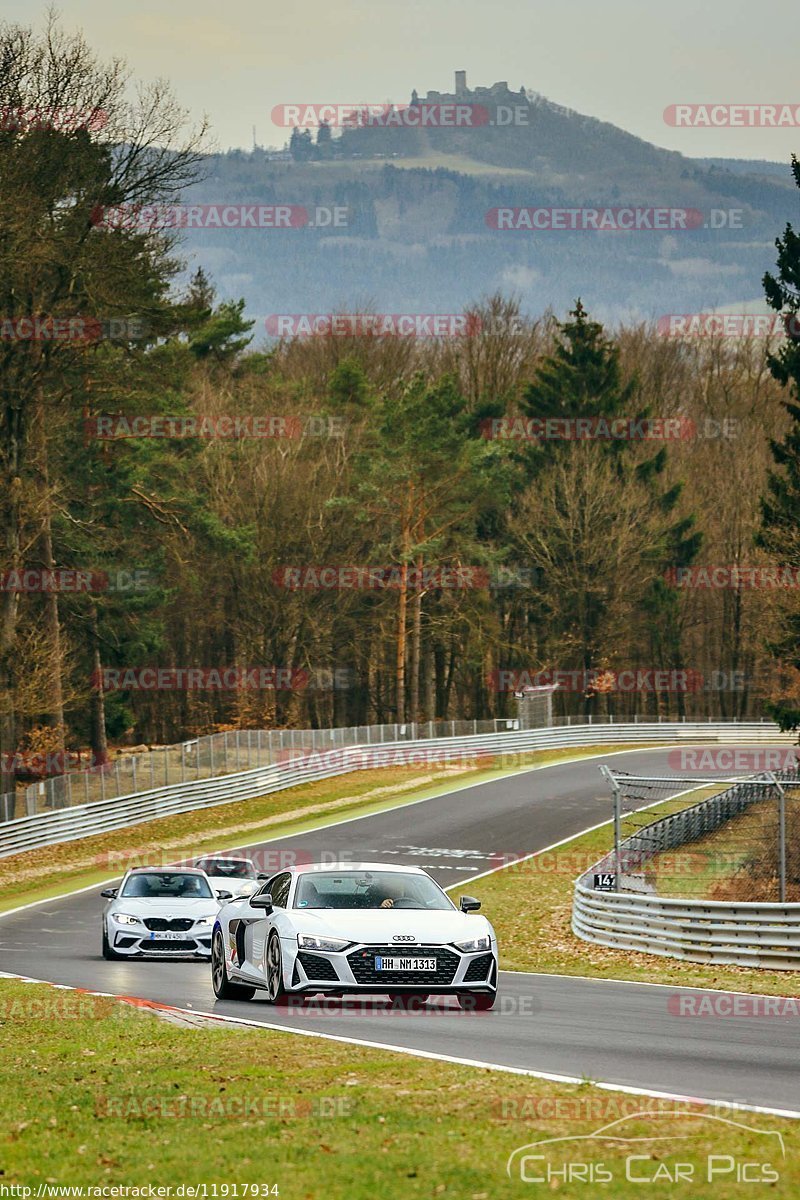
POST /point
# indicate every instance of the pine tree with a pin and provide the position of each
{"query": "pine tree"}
(781, 505)
(583, 378)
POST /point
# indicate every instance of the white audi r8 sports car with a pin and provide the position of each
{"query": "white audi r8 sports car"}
(158, 911)
(354, 927)
(235, 875)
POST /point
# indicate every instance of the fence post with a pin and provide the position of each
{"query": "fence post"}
(615, 790)
(183, 762)
(781, 835)
(133, 772)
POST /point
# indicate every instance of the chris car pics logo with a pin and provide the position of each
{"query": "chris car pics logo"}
(653, 1147)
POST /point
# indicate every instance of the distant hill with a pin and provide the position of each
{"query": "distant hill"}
(417, 237)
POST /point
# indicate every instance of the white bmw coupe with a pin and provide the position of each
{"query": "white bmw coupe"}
(159, 911)
(354, 927)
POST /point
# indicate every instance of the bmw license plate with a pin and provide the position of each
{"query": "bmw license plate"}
(404, 964)
(168, 935)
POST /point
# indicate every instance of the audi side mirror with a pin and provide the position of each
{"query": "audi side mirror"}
(263, 901)
(469, 904)
(109, 893)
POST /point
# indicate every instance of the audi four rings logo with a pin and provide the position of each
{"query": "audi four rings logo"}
(403, 937)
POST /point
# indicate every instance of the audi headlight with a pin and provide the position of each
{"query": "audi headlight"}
(126, 919)
(306, 942)
(476, 944)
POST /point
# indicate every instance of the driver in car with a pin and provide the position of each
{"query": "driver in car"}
(394, 891)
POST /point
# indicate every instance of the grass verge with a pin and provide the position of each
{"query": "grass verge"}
(67, 866)
(124, 1099)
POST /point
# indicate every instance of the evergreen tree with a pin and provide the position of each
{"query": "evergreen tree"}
(324, 141)
(780, 534)
(583, 378)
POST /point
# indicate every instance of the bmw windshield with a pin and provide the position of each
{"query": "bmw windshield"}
(369, 889)
(227, 867)
(167, 887)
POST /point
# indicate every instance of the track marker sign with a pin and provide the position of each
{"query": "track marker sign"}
(605, 881)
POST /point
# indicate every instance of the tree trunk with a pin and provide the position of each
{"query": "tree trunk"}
(97, 713)
(429, 681)
(55, 716)
(416, 637)
(400, 662)
(9, 605)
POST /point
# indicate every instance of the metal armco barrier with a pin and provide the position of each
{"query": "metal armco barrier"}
(703, 931)
(737, 933)
(83, 820)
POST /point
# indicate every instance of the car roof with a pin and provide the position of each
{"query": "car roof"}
(354, 866)
(234, 858)
(166, 871)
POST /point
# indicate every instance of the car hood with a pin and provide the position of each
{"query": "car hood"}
(383, 924)
(137, 907)
(238, 887)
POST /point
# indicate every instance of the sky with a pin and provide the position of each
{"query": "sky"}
(623, 61)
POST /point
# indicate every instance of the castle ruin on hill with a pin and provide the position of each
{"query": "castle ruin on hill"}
(498, 93)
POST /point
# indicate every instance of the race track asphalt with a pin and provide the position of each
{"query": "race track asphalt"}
(624, 1034)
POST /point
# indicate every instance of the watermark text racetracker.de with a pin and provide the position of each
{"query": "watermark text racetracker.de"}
(352, 577)
(73, 581)
(605, 429)
(733, 115)
(733, 577)
(223, 679)
(66, 120)
(734, 760)
(649, 680)
(75, 330)
(618, 219)
(425, 114)
(224, 427)
(728, 324)
(727, 1005)
(375, 325)
(258, 1106)
(159, 218)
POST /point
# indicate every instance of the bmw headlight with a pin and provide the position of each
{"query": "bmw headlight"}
(306, 942)
(201, 921)
(476, 944)
(126, 919)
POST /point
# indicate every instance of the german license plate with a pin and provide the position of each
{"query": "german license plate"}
(404, 964)
(168, 935)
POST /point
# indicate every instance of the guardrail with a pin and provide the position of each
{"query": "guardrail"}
(82, 820)
(734, 933)
(227, 753)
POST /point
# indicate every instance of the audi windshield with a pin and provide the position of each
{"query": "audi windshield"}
(369, 889)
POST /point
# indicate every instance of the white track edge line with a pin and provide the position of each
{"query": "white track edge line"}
(551, 1076)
